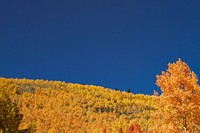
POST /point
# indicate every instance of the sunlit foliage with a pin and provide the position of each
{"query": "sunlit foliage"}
(59, 107)
(65, 107)
(180, 98)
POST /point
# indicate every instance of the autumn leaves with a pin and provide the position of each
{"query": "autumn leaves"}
(73, 108)
(180, 98)
(59, 107)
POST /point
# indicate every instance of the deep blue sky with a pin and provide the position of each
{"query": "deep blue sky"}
(112, 43)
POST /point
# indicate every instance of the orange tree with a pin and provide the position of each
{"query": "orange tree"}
(180, 98)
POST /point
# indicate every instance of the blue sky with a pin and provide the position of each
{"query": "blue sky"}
(115, 44)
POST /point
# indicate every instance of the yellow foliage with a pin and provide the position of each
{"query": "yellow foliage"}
(53, 106)
(180, 98)
(10, 117)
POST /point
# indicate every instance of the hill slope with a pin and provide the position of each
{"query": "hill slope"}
(54, 106)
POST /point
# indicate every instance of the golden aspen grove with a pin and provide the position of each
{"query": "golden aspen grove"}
(41, 106)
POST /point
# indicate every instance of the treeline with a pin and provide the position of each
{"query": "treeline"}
(50, 106)
(57, 107)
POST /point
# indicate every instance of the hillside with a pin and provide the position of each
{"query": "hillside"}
(41, 106)
(54, 106)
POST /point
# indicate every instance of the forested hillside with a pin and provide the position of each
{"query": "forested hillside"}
(66, 107)
(57, 107)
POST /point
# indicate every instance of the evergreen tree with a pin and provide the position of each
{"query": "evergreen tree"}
(129, 90)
